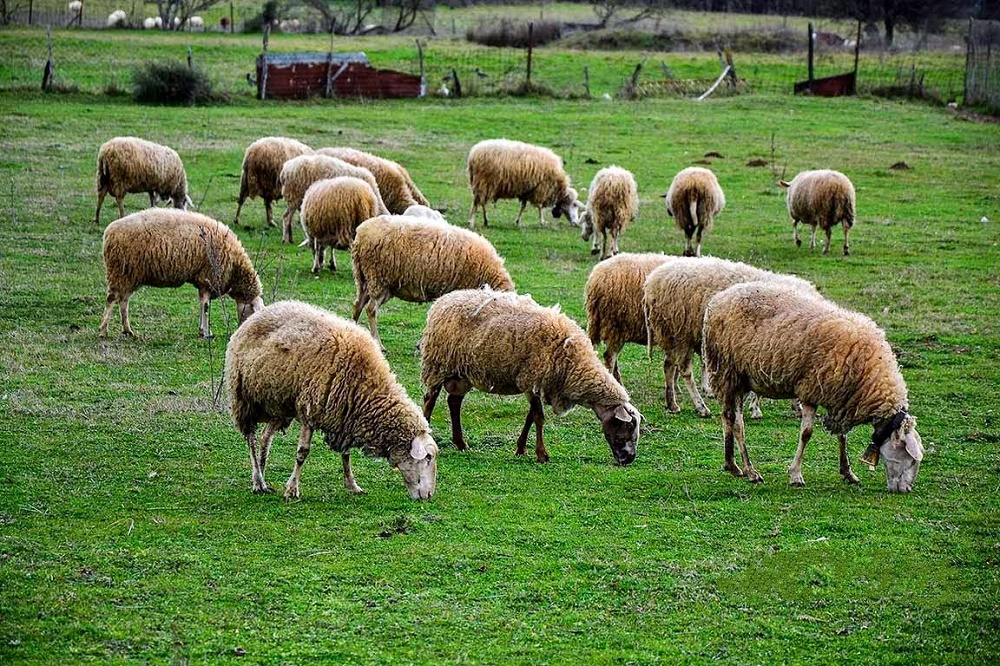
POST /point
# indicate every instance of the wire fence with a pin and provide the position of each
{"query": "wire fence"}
(982, 70)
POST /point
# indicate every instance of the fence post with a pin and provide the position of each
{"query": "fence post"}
(31, 7)
(263, 69)
(531, 43)
(190, 59)
(232, 18)
(810, 56)
(423, 76)
(586, 80)
(328, 88)
(49, 67)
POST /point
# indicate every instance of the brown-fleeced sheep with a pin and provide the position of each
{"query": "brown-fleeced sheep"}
(693, 200)
(613, 298)
(675, 296)
(394, 182)
(503, 169)
(295, 361)
(612, 205)
(262, 163)
(164, 247)
(782, 342)
(418, 259)
(507, 344)
(127, 165)
(332, 209)
(824, 199)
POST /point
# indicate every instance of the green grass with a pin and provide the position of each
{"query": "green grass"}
(128, 531)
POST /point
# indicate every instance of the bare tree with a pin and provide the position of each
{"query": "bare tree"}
(343, 17)
(399, 15)
(181, 10)
(612, 12)
(8, 8)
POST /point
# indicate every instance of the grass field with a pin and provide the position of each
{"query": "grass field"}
(128, 531)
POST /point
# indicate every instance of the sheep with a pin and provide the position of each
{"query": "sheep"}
(821, 198)
(127, 165)
(168, 248)
(196, 23)
(779, 341)
(332, 209)
(262, 163)
(694, 198)
(417, 260)
(300, 172)
(612, 204)
(291, 361)
(394, 183)
(675, 296)
(149, 23)
(506, 344)
(418, 210)
(613, 297)
(502, 169)
(117, 19)
(75, 7)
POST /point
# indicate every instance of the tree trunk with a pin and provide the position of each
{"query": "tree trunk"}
(890, 29)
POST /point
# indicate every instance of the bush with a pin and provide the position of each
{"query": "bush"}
(514, 34)
(170, 83)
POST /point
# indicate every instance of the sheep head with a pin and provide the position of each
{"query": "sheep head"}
(418, 465)
(902, 451)
(568, 205)
(620, 424)
(587, 225)
(246, 308)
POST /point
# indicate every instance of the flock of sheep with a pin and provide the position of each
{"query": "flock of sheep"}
(758, 333)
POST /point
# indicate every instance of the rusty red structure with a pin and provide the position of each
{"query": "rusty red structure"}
(304, 75)
(830, 86)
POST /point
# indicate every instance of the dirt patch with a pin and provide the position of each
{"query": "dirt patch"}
(714, 154)
(901, 166)
(757, 162)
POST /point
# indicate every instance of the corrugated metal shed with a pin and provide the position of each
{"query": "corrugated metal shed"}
(303, 75)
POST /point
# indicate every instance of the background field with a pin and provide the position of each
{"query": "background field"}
(128, 531)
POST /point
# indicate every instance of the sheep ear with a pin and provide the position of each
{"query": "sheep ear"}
(622, 414)
(420, 449)
(784, 183)
(556, 212)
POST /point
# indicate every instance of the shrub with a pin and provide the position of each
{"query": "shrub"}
(170, 83)
(514, 34)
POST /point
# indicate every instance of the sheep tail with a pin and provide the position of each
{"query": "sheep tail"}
(693, 208)
(103, 175)
(847, 209)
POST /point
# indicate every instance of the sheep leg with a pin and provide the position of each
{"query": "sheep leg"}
(349, 482)
(100, 203)
(363, 297)
(270, 430)
(845, 464)
(372, 310)
(697, 238)
(669, 382)
(541, 455)
(847, 230)
(522, 439)
(755, 412)
(286, 225)
(611, 360)
(204, 299)
(121, 206)
(455, 411)
(123, 307)
(524, 204)
(317, 251)
(103, 330)
(256, 477)
(826, 245)
(795, 233)
(333, 260)
(812, 237)
(152, 199)
(292, 485)
(239, 207)
(706, 389)
(699, 404)
(614, 243)
(728, 438)
(430, 399)
(604, 245)
(805, 433)
(688, 246)
(739, 435)
(269, 211)
(472, 214)
(541, 217)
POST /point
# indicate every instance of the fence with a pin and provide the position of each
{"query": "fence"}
(982, 64)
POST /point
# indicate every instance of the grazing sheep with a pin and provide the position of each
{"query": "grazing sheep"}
(196, 23)
(418, 259)
(612, 205)
(117, 19)
(302, 171)
(781, 342)
(332, 209)
(821, 198)
(75, 6)
(502, 169)
(506, 344)
(693, 200)
(296, 361)
(674, 300)
(394, 183)
(262, 163)
(127, 165)
(162, 247)
(149, 23)
(613, 297)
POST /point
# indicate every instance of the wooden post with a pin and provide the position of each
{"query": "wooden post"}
(49, 67)
(232, 18)
(586, 81)
(31, 7)
(263, 69)
(190, 60)
(810, 56)
(328, 88)
(531, 43)
(458, 84)
(423, 76)
(857, 53)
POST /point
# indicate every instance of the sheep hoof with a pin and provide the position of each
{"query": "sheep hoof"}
(704, 413)
(674, 409)
(756, 415)
(798, 242)
(291, 492)
(357, 490)
(733, 469)
(206, 336)
(753, 476)
(850, 477)
(542, 459)
(262, 490)
(847, 252)
(128, 334)
(797, 481)
(461, 445)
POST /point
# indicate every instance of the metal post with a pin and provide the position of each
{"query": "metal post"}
(531, 43)
(810, 55)
(263, 72)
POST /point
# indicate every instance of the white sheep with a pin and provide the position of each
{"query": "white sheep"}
(418, 210)
(117, 19)
(693, 200)
(675, 296)
(394, 182)
(300, 172)
(261, 170)
(782, 342)
(822, 198)
(418, 259)
(503, 169)
(507, 344)
(163, 247)
(295, 361)
(127, 165)
(149, 23)
(75, 7)
(613, 298)
(612, 205)
(196, 23)
(332, 209)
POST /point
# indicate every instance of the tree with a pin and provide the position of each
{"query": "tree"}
(181, 10)
(608, 10)
(917, 14)
(352, 17)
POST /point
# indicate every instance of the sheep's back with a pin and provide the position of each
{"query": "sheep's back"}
(263, 161)
(501, 169)
(613, 296)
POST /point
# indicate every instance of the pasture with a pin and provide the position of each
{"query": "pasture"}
(128, 531)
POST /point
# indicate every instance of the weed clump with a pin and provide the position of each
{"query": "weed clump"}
(170, 83)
